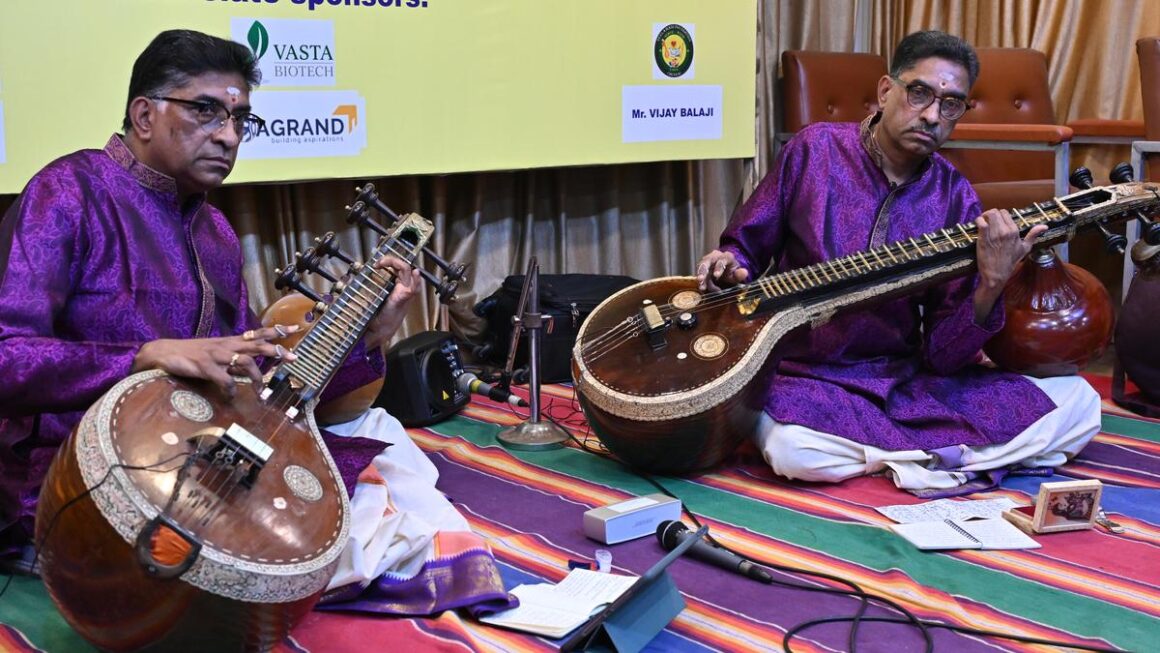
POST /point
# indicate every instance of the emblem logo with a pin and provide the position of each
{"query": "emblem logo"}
(673, 50)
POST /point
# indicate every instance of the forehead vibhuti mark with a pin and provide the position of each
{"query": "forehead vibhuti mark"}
(940, 74)
(947, 80)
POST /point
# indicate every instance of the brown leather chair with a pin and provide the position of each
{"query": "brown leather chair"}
(1008, 145)
(827, 87)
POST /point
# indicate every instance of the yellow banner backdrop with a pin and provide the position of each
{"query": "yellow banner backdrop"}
(358, 88)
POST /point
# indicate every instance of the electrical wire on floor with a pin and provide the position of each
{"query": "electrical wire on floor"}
(71, 502)
(908, 618)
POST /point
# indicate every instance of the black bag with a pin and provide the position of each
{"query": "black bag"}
(566, 298)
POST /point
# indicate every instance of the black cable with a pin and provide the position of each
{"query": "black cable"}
(922, 624)
(71, 502)
(855, 590)
(961, 629)
(7, 582)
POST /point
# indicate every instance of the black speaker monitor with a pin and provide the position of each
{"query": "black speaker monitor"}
(419, 387)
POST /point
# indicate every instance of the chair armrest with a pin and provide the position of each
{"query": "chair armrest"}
(1045, 134)
(1141, 150)
(1099, 127)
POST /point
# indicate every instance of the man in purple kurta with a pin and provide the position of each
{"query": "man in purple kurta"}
(897, 387)
(112, 262)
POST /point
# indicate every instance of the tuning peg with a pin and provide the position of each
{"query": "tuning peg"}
(1113, 243)
(1121, 173)
(451, 269)
(1081, 178)
(1149, 230)
(446, 290)
(357, 213)
(368, 196)
(327, 245)
(310, 260)
(288, 277)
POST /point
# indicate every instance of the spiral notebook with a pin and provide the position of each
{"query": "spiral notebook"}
(966, 534)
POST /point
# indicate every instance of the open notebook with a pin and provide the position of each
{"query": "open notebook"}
(556, 610)
(965, 534)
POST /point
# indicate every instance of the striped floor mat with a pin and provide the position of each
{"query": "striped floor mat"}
(1090, 587)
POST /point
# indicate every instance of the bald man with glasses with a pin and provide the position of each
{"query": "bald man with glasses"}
(897, 388)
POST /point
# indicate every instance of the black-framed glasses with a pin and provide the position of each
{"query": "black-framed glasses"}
(213, 115)
(921, 96)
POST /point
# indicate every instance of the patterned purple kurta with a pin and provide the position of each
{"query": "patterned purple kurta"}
(882, 376)
(97, 257)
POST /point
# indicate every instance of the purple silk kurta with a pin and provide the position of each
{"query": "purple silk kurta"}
(97, 257)
(883, 376)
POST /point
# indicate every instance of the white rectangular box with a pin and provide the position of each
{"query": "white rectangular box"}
(630, 519)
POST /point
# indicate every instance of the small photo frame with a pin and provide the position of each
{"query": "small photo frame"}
(1060, 506)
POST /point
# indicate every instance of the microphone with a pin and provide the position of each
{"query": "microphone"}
(468, 382)
(671, 533)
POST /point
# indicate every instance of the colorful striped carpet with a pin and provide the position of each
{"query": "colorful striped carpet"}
(1090, 587)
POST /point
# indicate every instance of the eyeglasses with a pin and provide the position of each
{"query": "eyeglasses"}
(213, 115)
(921, 96)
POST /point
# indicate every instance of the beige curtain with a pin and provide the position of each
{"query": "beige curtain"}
(642, 220)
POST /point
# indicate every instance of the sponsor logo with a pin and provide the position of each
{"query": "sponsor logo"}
(290, 52)
(307, 124)
(673, 50)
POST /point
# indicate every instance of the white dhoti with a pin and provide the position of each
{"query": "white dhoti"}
(396, 510)
(801, 453)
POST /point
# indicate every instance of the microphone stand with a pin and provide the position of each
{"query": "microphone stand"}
(532, 434)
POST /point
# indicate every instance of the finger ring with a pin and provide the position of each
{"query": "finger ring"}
(279, 352)
(280, 330)
(233, 360)
(249, 335)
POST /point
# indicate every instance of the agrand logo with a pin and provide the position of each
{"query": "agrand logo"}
(289, 52)
(305, 128)
(307, 124)
(673, 50)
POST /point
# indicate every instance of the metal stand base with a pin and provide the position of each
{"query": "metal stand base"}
(533, 436)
